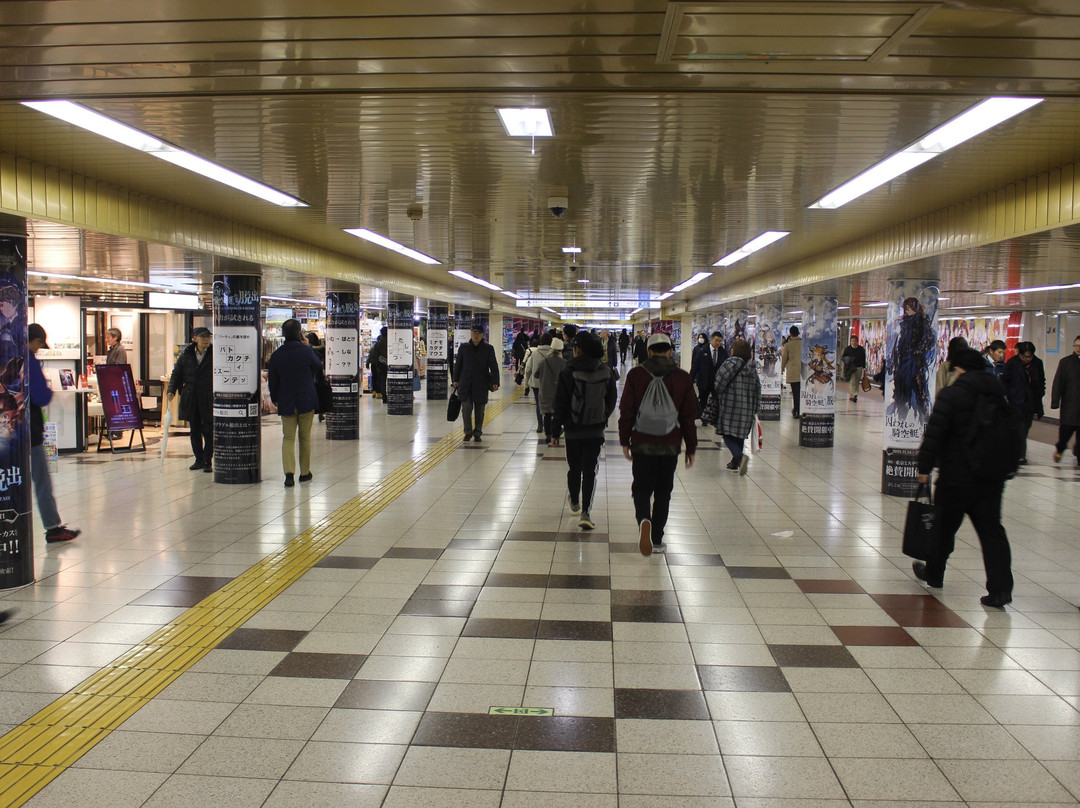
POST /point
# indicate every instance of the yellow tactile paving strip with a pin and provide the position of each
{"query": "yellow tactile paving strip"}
(38, 751)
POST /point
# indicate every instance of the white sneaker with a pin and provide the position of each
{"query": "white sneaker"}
(659, 548)
(585, 521)
(575, 507)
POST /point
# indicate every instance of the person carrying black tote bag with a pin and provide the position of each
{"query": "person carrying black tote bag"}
(922, 525)
(453, 407)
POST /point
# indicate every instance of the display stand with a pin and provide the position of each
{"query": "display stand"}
(107, 433)
(120, 408)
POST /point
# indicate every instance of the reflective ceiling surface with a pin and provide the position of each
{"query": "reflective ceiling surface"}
(682, 130)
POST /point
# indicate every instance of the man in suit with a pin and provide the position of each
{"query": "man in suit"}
(706, 361)
(476, 373)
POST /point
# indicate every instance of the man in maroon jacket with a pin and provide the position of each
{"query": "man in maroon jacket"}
(655, 457)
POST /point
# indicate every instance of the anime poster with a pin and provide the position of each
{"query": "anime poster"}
(237, 416)
(767, 353)
(737, 322)
(819, 334)
(343, 364)
(978, 331)
(16, 519)
(911, 357)
(872, 337)
(399, 357)
(437, 352)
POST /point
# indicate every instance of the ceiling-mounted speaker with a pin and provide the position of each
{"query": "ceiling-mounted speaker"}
(415, 211)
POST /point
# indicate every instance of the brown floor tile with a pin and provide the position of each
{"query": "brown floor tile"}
(594, 630)
(413, 552)
(566, 733)
(626, 613)
(926, 603)
(348, 562)
(470, 730)
(662, 704)
(262, 639)
(170, 597)
(643, 597)
(743, 678)
(376, 694)
(943, 618)
(813, 656)
(516, 580)
(319, 666)
(432, 592)
(694, 560)
(758, 572)
(496, 627)
(873, 635)
(474, 544)
(196, 583)
(587, 536)
(813, 586)
(438, 608)
(579, 582)
(531, 535)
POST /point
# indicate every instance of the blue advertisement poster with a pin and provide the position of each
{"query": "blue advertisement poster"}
(237, 422)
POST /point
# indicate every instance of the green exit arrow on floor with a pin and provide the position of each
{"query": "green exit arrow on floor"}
(521, 711)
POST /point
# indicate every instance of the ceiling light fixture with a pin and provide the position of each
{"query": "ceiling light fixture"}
(698, 278)
(460, 273)
(389, 244)
(86, 118)
(294, 300)
(582, 280)
(114, 281)
(953, 308)
(665, 296)
(975, 121)
(635, 311)
(526, 121)
(752, 246)
(573, 250)
(514, 295)
(878, 305)
(1035, 289)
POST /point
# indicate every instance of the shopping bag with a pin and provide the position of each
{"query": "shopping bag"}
(324, 393)
(922, 525)
(453, 407)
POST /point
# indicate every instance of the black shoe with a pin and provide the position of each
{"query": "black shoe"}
(919, 568)
(5, 616)
(61, 533)
(208, 468)
(995, 601)
(305, 477)
(468, 437)
(477, 437)
(198, 464)
(289, 481)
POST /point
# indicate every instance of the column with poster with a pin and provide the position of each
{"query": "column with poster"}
(738, 320)
(910, 366)
(819, 334)
(767, 351)
(438, 353)
(237, 425)
(343, 364)
(16, 516)
(462, 333)
(399, 357)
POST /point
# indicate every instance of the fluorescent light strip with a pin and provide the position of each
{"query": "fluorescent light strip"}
(114, 281)
(665, 296)
(752, 246)
(294, 300)
(526, 121)
(574, 250)
(99, 124)
(698, 278)
(965, 126)
(1035, 289)
(383, 241)
(460, 273)
(514, 295)
(880, 305)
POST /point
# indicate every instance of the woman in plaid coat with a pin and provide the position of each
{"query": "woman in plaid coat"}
(738, 393)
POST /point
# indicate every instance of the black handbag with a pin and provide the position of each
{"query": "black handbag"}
(324, 393)
(453, 407)
(922, 525)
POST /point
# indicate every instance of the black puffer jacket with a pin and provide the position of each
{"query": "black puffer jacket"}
(943, 441)
(194, 381)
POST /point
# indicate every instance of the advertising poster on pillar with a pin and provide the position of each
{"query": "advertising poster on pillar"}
(767, 353)
(16, 520)
(462, 331)
(399, 358)
(818, 372)
(236, 378)
(438, 353)
(910, 365)
(343, 364)
(737, 320)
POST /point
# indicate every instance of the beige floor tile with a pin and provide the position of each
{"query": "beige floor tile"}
(802, 777)
(368, 726)
(767, 738)
(570, 674)
(675, 775)
(740, 706)
(861, 708)
(883, 778)
(185, 790)
(242, 757)
(577, 772)
(123, 750)
(665, 737)
(1003, 781)
(418, 797)
(868, 741)
(293, 794)
(598, 702)
(336, 762)
(445, 767)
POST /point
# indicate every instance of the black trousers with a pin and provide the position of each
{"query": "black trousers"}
(703, 391)
(1066, 431)
(552, 427)
(654, 478)
(583, 458)
(982, 504)
(202, 437)
(469, 408)
(796, 398)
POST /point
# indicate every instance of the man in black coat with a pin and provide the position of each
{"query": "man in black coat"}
(193, 379)
(1025, 385)
(476, 373)
(959, 490)
(1065, 393)
(706, 360)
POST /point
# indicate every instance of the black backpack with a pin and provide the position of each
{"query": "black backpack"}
(993, 441)
(588, 404)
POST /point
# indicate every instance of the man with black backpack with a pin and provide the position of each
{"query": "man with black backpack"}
(973, 437)
(585, 397)
(656, 416)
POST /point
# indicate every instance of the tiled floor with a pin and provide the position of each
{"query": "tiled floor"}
(781, 654)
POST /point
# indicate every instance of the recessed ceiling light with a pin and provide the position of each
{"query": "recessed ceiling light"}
(582, 280)
(665, 296)
(698, 278)
(389, 244)
(86, 118)
(878, 305)
(571, 249)
(752, 246)
(526, 121)
(952, 308)
(1035, 289)
(460, 273)
(965, 126)
(514, 295)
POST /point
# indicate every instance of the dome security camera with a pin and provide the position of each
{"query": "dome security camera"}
(558, 205)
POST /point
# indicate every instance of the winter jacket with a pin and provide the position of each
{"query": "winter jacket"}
(702, 369)
(564, 394)
(791, 360)
(40, 396)
(291, 374)
(547, 376)
(117, 355)
(1065, 392)
(194, 381)
(476, 371)
(535, 357)
(680, 387)
(945, 376)
(1025, 385)
(641, 350)
(737, 390)
(943, 440)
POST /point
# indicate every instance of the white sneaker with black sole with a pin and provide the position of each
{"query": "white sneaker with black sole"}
(575, 506)
(585, 522)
